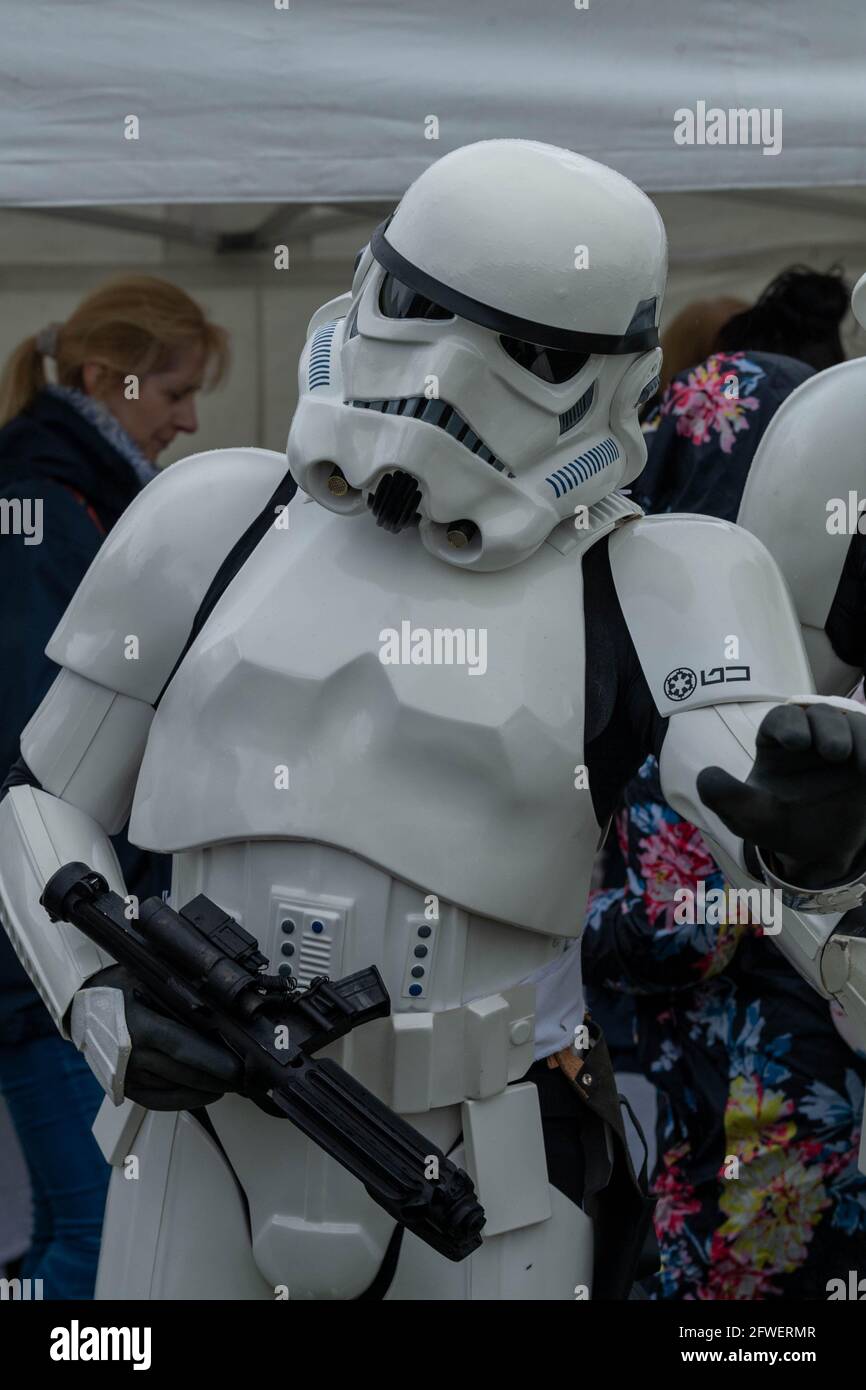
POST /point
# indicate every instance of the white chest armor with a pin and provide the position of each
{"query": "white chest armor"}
(283, 723)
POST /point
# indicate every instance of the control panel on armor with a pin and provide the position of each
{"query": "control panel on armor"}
(306, 937)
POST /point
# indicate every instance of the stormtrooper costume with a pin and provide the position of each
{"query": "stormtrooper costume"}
(386, 721)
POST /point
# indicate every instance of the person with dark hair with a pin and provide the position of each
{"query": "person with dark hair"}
(797, 315)
(759, 1194)
(728, 399)
(77, 444)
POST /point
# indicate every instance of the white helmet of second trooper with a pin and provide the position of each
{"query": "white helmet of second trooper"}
(484, 376)
(805, 498)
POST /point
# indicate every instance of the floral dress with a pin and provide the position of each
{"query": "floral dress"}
(761, 1101)
(703, 434)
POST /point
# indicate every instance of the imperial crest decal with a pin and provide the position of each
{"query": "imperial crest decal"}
(680, 682)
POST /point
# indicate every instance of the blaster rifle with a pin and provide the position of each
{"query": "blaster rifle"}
(202, 968)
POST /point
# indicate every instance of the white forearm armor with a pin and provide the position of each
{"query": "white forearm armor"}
(83, 746)
(833, 963)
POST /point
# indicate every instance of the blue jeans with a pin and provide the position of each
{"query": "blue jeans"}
(53, 1098)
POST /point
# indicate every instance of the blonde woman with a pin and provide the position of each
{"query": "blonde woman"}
(86, 408)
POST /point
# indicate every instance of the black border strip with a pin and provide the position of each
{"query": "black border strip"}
(236, 558)
(497, 319)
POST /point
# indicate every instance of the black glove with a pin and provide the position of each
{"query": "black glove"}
(170, 1067)
(804, 802)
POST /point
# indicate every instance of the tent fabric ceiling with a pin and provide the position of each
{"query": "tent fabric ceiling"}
(331, 102)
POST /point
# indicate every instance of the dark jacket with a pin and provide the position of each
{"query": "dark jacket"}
(51, 453)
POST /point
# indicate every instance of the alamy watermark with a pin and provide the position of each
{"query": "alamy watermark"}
(846, 517)
(437, 646)
(77, 1343)
(854, 1289)
(739, 125)
(716, 907)
(22, 516)
(20, 1290)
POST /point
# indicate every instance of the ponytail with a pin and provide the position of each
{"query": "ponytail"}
(23, 378)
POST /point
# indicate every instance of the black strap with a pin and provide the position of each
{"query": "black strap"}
(203, 1118)
(614, 1196)
(383, 1280)
(641, 334)
(20, 775)
(233, 562)
(643, 1175)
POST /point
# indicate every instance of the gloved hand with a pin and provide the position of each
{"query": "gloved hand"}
(170, 1066)
(804, 801)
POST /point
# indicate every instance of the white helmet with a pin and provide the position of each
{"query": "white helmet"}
(485, 375)
(803, 497)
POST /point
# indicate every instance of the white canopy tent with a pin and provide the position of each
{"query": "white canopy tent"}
(290, 101)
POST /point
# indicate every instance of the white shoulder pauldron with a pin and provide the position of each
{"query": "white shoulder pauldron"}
(708, 612)
(130, 617)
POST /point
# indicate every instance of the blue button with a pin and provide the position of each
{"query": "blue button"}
(414, 989)
(317, 927)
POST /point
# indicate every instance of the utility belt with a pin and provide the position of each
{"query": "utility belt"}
(602, 1179)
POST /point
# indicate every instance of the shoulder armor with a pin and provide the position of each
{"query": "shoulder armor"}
(708, 612)
(152, 571)
(811, 455)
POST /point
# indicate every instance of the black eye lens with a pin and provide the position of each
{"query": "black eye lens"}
(548, 364)
(398, 301)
